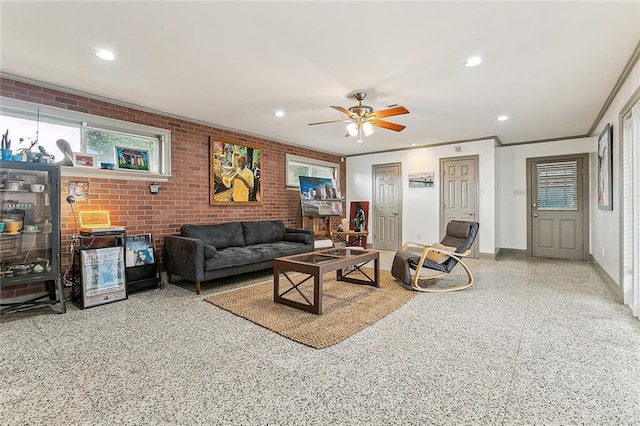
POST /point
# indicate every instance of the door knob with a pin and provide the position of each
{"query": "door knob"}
(395, 213)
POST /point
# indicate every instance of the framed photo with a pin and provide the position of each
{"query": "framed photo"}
(80, 159)
(605, 169)
(140, 250)
(103, 276)
(421, 179)
(234, 175)
(131, 159)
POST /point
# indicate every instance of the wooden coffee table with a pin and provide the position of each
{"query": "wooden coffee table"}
(345, 261)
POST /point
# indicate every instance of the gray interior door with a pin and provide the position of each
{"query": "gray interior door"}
(557, 207)
(387, 199)
(459, 191)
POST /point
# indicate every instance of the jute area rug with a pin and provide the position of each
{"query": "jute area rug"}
(346, 308)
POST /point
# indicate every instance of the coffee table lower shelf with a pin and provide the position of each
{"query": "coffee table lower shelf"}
(313, 266)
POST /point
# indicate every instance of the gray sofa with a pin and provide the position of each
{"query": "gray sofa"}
(206, 252)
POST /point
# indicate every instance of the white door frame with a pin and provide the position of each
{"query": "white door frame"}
(629, 154)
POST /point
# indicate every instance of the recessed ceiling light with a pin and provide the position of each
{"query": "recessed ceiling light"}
(503, 118)
(414, 144)
(107, 55)
(279, 113)
(473, 61)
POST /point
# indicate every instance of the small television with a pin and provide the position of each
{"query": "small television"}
(320, 197)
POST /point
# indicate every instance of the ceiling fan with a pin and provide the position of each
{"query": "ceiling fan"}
(362, 118)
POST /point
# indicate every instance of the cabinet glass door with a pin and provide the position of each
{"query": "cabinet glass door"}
(30, 225)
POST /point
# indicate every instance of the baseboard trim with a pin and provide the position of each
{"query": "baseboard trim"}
(520, 252)
(491, 256)
(610, 282)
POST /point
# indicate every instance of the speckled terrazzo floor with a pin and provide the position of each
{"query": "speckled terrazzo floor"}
(532, 342)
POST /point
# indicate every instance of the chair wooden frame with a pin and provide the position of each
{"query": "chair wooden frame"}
(417, 275)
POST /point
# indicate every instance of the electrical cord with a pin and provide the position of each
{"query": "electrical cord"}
(65, 277)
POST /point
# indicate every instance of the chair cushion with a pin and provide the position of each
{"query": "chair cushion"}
(459, 229)
(439, 257)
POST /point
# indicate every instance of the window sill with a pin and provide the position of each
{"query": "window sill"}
(112, 174)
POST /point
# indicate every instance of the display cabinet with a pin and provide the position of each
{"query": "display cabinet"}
(30, 236)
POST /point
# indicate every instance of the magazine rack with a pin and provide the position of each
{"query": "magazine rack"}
(140, 263)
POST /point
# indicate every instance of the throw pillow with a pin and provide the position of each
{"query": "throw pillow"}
(210, 251)
(439, 257)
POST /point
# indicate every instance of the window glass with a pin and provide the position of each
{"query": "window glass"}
(84, 133)
(103, 143)
(46, 134)
(301, 166)
(558, 186)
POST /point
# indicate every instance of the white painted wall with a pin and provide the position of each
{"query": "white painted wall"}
(606, 224)
(502, 192)
(420, 207)
(512, 183)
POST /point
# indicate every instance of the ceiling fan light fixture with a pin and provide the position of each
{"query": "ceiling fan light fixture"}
(367, 128)
(352, 129)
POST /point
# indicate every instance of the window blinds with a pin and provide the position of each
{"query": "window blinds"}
(558, 186)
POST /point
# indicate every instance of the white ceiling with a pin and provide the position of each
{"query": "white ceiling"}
(548, 66)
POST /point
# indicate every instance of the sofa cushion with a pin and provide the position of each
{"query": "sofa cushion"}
(238, 256)
(263, 231)
(220, 236)
(299, 238)
(210, 251)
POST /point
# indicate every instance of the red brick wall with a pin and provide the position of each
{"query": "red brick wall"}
(185, 197)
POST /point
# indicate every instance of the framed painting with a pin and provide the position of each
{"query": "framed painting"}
(605, 169)
(80, 190)
(234, 175)
(131, 159)
(81, 159)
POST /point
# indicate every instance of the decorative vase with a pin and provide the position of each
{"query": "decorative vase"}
(6, 154)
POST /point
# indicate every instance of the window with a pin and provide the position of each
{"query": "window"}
(302, 166)
(558, 186)
(84, 133)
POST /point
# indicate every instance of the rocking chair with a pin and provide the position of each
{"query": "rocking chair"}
(439, 257)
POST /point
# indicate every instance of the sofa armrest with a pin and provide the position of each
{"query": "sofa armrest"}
(184, 257)
(296, 231)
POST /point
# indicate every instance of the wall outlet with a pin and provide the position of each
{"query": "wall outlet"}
(602, 251)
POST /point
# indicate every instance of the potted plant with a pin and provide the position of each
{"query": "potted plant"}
(6, 146)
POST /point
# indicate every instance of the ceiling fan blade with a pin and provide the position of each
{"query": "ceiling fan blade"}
(387, 125)
(331, 121)
(342, 110)
(399, 110)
